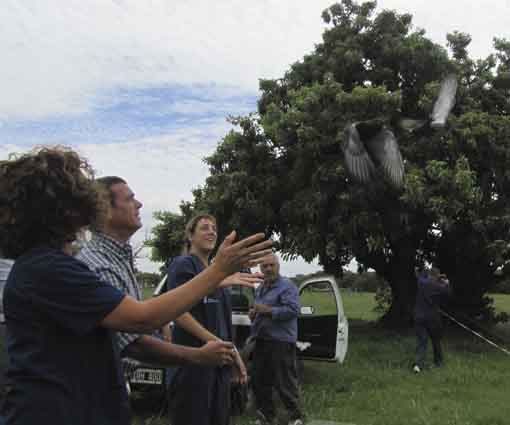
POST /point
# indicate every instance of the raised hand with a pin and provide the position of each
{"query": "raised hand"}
(232, 257)
(262, 309)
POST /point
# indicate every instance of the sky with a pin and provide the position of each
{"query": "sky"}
(143, 88)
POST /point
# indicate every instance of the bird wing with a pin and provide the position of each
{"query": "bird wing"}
(444, 102)
(357, 160)
(383, 147)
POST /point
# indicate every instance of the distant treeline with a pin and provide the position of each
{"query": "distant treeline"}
(370, 282)
(502, 287)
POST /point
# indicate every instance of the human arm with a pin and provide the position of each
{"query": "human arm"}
(439, 287)
(243, 279)
(155, 351)
(240, 374)
(133, 315)
(288, 306)
(263, 309)
(193, 327)
(445, 287)
(110, 275)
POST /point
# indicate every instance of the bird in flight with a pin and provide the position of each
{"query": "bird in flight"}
(369, 145)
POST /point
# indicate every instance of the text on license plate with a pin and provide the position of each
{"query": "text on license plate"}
(147, 376)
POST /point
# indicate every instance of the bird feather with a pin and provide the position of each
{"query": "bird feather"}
(444, 102)
(357, 159)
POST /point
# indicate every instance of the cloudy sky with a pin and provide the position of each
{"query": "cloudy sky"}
(142, 88)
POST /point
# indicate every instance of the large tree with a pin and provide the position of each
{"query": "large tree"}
(282, 170)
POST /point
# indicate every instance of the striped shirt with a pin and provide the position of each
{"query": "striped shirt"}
(5, 268)
(113, 262)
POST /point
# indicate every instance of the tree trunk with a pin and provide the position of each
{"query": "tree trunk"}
(400, 313)
(403, 295)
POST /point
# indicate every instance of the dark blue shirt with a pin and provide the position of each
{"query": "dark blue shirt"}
(283, 297)
(428, 297)
(200, 395)
(213, 312)
(63, 366)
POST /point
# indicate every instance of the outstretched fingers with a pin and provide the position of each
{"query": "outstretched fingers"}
(251, 253)
(248, 280)
(245, 253)
(243, 279)
(250, 241)
(227, 353)
(255, 248)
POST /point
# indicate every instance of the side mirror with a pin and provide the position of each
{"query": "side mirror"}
(307, 310)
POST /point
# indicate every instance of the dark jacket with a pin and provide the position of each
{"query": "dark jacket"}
(428, 297)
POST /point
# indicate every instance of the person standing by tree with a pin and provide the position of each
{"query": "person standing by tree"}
(63, 358)
(274, 328)
(201, 395)
(432, 288)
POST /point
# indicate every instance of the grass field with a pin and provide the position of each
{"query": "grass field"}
(375, 386)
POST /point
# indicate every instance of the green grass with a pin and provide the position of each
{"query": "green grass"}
(374, 386)
(359, 306)
(501, 302)
(323, 303)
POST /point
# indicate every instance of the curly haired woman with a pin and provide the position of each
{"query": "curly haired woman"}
(63, 361)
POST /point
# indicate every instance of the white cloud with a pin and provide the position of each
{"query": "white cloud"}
(482, 19)
(161, 171)
(66, 57)
(59, 55)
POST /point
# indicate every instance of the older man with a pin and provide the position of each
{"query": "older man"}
(109, 254)
(274, 327)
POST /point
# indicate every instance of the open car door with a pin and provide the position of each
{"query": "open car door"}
(322, 325)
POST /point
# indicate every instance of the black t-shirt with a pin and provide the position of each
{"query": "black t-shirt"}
(63, 366)
(213, 311)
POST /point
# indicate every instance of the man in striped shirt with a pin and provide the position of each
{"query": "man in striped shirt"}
(110, 255)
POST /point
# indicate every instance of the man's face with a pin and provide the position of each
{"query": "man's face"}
(125, 211)
(270, 267)
(205, 235)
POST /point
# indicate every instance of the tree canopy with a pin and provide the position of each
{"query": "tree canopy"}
(281, 170)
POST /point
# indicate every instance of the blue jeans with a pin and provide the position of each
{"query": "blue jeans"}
(424, 329)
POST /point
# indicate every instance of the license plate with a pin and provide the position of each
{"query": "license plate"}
(147, 376)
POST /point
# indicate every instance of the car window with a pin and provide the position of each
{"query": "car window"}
(318, 299)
